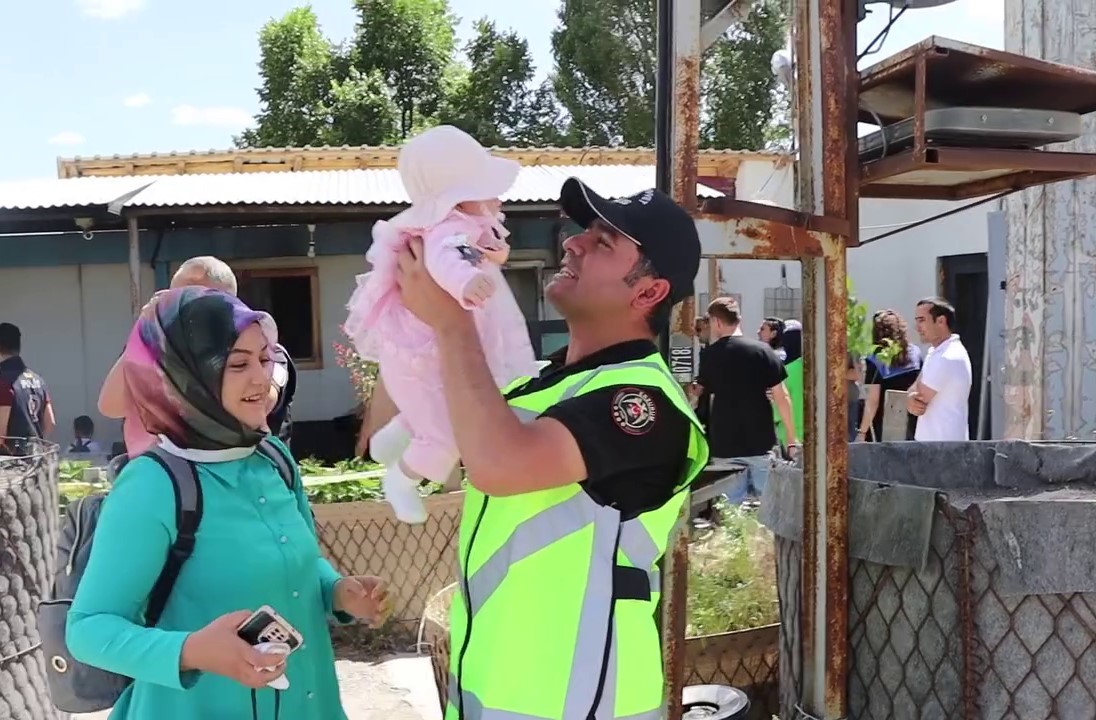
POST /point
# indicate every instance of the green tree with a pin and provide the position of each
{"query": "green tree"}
(606, 80)
(606, 57)
(410, 43)
(493, 98)
(363, 111)
(739, 90)
(295, 66)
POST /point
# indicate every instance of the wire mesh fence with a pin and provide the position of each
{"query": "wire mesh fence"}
(906, 631)
(944, 641)
(365, 538)
(28, 535)
(748, 660)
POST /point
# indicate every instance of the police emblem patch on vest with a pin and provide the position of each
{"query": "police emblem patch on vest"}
(633, 410)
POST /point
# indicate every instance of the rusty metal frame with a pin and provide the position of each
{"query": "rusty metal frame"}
(817, 235)
(1006, 170)
(951, 72)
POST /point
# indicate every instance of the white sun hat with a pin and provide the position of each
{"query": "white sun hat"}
(443, 167)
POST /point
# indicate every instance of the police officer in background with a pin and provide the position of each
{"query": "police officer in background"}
(25, 408)
(577, 476)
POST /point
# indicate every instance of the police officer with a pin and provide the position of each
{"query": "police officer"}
(577, 476)
(25, 409)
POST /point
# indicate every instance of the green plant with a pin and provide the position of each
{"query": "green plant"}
(364, 490)
(859, 325)
(860, 331)
(732, 576)
(72, 470)
(346, 491)
(363, 373)
(355, 464)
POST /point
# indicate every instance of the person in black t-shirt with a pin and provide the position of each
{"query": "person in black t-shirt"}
(741, 373)
(704, 402)
(25, 407)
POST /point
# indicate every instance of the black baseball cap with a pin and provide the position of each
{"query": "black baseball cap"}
(664, 232)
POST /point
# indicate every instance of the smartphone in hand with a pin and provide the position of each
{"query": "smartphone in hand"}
(267, 626)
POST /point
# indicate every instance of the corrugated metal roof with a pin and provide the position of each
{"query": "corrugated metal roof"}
(364, 149)
(58, 194)
(536, 184)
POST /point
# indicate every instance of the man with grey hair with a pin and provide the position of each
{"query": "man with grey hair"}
(214, 273)
(207, 271)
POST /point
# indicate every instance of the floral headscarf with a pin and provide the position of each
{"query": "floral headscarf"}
(174, 363)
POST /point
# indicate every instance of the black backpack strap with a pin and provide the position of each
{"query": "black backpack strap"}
(281, 460)
(188, 515)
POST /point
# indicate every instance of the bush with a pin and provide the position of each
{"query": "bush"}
(732, 576)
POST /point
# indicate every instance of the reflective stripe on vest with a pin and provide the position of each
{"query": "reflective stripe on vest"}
(520, 529)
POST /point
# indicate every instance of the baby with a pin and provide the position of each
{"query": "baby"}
(454, 185)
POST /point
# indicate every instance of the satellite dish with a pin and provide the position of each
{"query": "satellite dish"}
(862, 9)
(909, 4)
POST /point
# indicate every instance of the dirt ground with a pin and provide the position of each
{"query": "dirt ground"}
(397, 687)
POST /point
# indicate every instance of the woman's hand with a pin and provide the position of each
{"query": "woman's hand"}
(217, 649)
(364, 597)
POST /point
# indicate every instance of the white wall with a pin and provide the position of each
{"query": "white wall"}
(897, 271)
(75, 320)
(894, 272)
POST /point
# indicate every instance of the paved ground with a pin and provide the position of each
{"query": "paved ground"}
(397, 688)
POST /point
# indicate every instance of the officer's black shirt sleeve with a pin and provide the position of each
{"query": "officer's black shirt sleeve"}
(634, 441)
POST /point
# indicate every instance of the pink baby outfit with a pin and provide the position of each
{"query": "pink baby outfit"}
(456, 251)
(444, 171)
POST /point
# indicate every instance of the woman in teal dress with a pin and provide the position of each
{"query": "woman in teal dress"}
(198, 370)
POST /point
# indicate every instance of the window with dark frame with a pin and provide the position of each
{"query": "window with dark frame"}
(291, 296)
(784, 302)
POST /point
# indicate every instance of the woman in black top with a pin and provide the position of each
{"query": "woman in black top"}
(894, 365)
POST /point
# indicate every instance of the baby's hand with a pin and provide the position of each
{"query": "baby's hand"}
(478, 289)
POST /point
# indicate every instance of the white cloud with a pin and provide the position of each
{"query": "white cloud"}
(109, 9)
(68, 137)
(229, 117)
(136, 101)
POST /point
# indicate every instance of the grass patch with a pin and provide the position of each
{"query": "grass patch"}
(72, 486)
(732, 575)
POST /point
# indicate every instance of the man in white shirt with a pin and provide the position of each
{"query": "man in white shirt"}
(939, 396)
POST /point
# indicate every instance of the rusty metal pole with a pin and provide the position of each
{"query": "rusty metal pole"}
(677, 139)
(828, 185)
(679, 124)
(134, 236)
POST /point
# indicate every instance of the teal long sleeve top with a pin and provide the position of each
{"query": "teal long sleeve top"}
(256, 545)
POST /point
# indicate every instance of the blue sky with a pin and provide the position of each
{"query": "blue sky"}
(104, 77)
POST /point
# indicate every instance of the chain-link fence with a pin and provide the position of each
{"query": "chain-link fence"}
(976, 602)
(906, 631)
(365, 538)
(28, 536)
(748, 660)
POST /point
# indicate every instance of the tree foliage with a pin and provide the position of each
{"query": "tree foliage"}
(739, 91)
(410, 43)
(606, 57)
(494, 100)
(400, 72)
